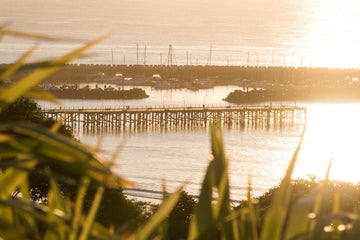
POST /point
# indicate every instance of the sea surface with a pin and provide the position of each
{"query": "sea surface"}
(310, 33)
(230, 32)
(147, 158)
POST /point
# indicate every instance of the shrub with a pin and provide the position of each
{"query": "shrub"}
(180, 217)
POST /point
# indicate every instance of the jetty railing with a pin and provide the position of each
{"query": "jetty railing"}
(200, 116)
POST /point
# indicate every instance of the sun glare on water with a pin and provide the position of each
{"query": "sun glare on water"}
(330, 39)
(333, 132)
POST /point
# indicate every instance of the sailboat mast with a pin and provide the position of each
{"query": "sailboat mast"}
(210, 56)
(112, 57)
(170, 56)
(137, 54)
(145, 56)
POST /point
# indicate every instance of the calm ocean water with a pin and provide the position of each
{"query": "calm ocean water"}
(177, 155)
(247, 32)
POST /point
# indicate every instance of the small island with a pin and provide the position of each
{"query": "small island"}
(294, 94)
(73, 92)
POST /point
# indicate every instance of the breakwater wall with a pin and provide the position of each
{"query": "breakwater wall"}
(143, 118)
(73, 73)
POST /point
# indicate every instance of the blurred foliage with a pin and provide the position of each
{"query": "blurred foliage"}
(25, 109)
(180, 217)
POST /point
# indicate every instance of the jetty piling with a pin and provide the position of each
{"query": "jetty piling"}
(132, 118)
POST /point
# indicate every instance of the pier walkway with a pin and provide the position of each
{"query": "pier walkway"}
(232, 116)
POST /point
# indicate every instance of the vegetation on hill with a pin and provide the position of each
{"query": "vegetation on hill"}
(25, 109)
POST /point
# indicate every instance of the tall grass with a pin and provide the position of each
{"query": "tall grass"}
(25, 147)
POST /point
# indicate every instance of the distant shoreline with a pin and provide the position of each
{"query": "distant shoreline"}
(244, 76)
(135, 93)
(276, 83)
(300, 94)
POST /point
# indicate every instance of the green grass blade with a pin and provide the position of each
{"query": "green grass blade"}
(34, 65)
(220, 171)
(10, 231)
(206, 217)
(34, 210)
(57, 207)
(31, 223)
(160, 215)
(12, 178)
(316, 227)
(61, 152)
(24, 85)
(23, 34)
(98, 231)
(302, 220)
(43, 95)
(78, 208)
(163, 227)
(252, 214)
(92, 214)
(5, 138)
(14, 67)
(55, 128)
(275, 218)
(202, 221)
(319, 204)
(301, 216)
(235, 225)
(336, 203)
(222, 207)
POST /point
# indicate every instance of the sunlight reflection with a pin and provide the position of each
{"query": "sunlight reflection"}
(333, 131)
(330, 40)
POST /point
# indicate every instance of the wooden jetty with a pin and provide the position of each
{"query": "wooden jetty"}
(133, 118)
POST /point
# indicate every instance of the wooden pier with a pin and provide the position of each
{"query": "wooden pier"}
(135, 118)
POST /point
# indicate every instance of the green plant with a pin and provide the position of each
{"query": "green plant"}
(25, 109)
(27, 148)
(180, 217)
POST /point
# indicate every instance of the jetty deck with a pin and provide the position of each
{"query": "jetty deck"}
(131, 118)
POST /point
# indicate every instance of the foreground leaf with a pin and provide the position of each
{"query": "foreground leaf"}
(276, 215)
(160, 215)
(14, 67)
(207, 219)
(59, 152)
(92, 214)
(24, 34)
(18, 89)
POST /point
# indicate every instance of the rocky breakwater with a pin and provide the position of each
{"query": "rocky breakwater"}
(294, 94)
(98, 93)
